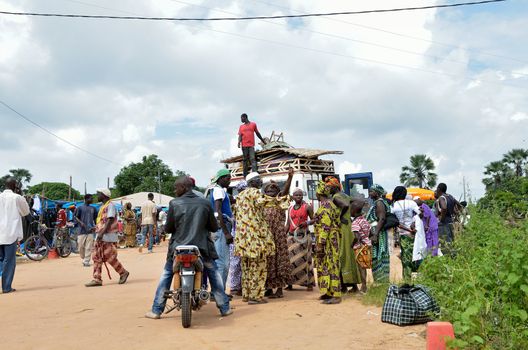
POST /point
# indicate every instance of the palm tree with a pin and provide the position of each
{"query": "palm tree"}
(22, 175)
(420, 173)
(498, 172)
(517, 157)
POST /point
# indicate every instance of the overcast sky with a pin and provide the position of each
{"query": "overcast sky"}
(451, 83)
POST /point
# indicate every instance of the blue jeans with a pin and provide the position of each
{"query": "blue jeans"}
(222, 249)
(217, 287)
(150, 230)
(7, 265)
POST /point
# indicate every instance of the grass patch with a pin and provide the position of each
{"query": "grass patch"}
(376, 294)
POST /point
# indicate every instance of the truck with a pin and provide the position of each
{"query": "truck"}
(276, 157)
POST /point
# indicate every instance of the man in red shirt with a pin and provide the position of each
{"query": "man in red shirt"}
(61, 217)
(246, 140)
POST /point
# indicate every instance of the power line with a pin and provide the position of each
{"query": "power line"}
(55, 135)
(181, 19)
(423, 70)
(439, 43)
(340, 37)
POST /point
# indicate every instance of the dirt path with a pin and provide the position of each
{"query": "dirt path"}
(53, 310)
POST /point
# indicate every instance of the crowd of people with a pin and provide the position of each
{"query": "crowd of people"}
(261, 241)
(263, 244)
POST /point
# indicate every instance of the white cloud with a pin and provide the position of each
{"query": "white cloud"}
(127, 89)
(347, 167)
(519, 116)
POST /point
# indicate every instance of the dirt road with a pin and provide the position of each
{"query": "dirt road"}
(53, 310)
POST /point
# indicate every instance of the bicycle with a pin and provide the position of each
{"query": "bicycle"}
(63, 242)
(36, 247)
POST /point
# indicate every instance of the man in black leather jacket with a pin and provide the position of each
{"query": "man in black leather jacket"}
(190, 220)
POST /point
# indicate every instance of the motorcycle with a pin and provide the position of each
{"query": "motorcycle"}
(187, 294)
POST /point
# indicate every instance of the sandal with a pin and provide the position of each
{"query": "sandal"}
(325, 297)
(257, 302)
(332, 301)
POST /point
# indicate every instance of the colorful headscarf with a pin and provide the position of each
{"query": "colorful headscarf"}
(272, 184)
(378, 189)
(333, 182)
(242, 185)
(322, 189)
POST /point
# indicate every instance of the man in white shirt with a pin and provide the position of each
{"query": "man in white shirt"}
(12, 208)
(148, 219)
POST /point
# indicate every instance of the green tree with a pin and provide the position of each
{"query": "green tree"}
(54, 190)
(518, 158)
(23, 177)
(145, 176)
(498, 172)
(419, 173)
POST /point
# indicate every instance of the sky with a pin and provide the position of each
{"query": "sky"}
(450, 83)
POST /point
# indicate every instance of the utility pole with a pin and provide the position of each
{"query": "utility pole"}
(85, 188)
(464, 186)
(70, 189)
(159, 185)
(108, 182)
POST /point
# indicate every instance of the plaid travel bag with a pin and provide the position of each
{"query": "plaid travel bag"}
(407, 305)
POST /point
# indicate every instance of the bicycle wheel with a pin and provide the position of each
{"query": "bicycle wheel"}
(36, 248)
(65, 248)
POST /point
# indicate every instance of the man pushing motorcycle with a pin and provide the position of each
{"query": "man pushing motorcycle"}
(190, 220)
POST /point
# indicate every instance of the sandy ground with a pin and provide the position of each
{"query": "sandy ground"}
(52, 309)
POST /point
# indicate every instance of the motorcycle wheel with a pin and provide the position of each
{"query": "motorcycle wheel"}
(186, 309)
(66, 247)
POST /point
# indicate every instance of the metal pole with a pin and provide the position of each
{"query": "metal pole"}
(464, 186)
(85, 188)
(159, 185)
(70, 189)
(108, 182)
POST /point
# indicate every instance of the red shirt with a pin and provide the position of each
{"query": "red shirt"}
(298, 216)
(61, 218)
(248, 134)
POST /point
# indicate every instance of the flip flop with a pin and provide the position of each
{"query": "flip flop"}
(332, 301)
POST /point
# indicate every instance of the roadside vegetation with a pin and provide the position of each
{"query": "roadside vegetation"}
(483, 287)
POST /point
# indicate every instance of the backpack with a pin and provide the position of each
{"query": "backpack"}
(391, 221)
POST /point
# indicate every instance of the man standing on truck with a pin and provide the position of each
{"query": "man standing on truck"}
(246, 141)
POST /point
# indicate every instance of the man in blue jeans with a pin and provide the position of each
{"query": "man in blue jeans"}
(13, 207)
(189, 220)
(222, 211)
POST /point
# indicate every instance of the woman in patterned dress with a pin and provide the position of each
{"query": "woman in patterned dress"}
(129, 218)
(279, 268)
(379, 237)
(327, 232)
(350, 275)
(300, 242)
(235, 269)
